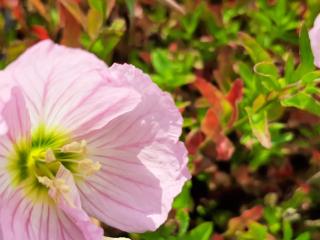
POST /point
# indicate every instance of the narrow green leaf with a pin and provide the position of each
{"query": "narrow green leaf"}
(289, 68)
(305, 49)
(95, 21)
(256, 52)
(306, 55)
(130, 5)
(246, 74)
(259, 126)
(287, 230)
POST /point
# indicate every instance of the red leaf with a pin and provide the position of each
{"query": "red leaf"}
(211, 93)
(234, 96)
(40, 32)
(212, 128)
(211, 125)
(145, 56)
(71, 27)
(236, 92)
(254, 213)
(224, 148)
(9, 3)
(217, 237)
(194, 140)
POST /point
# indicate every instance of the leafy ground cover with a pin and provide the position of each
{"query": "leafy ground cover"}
(242, 74)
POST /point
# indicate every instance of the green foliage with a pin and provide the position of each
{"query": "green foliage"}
(173, 70)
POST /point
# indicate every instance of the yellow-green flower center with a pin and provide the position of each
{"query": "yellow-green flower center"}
(41, 155)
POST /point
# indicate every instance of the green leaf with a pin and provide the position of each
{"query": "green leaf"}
(302, 101)
(191, 21)
(99, 5)
(304, 236)
(258, 231)
(259, 126)
(273, 215)
(201, 232)
(256, 52)
(268, 73)
(160, 61)
(246, 74)
(311, 78)
(306, 55)
(281, 8)
(184, 199)
(95, 21)
(289, 68)
(183, 218)
(109, 38)
(172, 71)
(287, 230)
(130, 5)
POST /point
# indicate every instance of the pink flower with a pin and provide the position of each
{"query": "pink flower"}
(314, 35)
(81, 140)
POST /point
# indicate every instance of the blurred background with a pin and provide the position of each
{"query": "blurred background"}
(241, 73)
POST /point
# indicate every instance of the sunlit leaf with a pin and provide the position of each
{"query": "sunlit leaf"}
(256, 52)
(95, 21)
(259, 126)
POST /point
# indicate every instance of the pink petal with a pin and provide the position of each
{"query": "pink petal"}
(89, 230)
(314, 35)
(5, 95)
(66, 88)
(24, 219)
(156, 106)
(143, 164)
(5, 178)
(16, 116)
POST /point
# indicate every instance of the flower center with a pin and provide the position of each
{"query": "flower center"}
(41, 156)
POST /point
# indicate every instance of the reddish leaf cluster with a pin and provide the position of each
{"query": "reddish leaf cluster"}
(221, 107)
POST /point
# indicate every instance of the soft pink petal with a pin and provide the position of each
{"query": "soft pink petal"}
(5, 178)
(66, 88)
(314, 35)
(143, 163)
(89, 231)
(108, 238)
(5, 95)
(157, 108)
(16, 116)
(23, 219)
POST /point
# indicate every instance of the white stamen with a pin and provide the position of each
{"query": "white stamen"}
(75, 147)
(50, 157)
(59, 188)
(45, 181)
(87, 167)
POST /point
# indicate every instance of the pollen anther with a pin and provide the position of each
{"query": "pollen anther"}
(75, 147)
(87, 167)
(50, 157)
